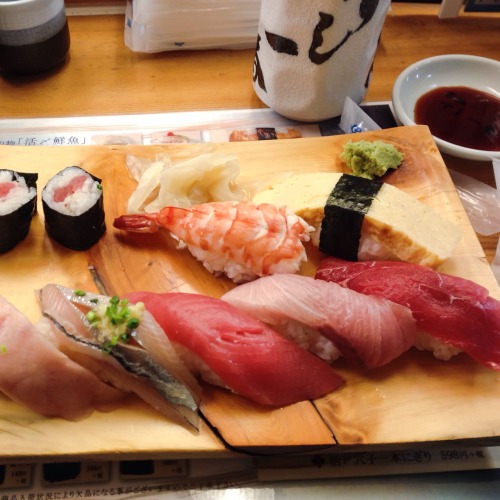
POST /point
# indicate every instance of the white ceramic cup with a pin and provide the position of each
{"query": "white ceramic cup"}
(312, 54)
(34, 35)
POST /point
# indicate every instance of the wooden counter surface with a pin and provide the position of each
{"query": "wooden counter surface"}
(102, 76)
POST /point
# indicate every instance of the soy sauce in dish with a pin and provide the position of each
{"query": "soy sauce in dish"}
(461, 115)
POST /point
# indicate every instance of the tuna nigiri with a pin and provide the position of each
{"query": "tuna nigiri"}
(242, 240)
(327, 319)
(129, 351)
(230, 348)
(37, 375)
(456, 312)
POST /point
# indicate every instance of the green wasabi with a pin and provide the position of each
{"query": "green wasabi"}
(371, 159)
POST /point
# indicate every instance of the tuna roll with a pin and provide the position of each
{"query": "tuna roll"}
(73, 207)
(17, 207)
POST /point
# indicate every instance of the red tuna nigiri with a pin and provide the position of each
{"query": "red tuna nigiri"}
(453, 310)
(245, 355)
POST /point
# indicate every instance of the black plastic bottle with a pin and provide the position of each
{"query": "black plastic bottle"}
(34, 36)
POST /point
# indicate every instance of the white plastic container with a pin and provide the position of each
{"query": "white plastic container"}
(313, 54)
(171, 25)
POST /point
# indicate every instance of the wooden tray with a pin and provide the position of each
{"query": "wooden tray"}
(415, 399)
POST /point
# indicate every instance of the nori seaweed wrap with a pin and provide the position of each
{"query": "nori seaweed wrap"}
(345, 209)
(73, 207)
(18, 196)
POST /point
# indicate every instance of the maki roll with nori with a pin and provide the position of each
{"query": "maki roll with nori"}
(73, 207)
(17, 207)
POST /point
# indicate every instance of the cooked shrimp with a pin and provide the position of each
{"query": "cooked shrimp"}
(240, 239)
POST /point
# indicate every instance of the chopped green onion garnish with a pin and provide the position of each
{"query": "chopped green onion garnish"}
(132, 323)
(114, 321)
(92, 317)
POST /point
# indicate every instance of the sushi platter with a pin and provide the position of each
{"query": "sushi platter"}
(414, 399)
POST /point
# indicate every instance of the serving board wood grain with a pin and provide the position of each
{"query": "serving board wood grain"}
(415, 399)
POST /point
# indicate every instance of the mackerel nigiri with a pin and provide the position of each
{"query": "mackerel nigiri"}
(327, 319)
(230, 348)
(123, 347)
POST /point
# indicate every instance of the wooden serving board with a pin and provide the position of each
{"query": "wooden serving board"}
(416, 399)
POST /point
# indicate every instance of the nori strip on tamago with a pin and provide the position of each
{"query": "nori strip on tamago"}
(345, 210)
(77, 232)
(14, 226)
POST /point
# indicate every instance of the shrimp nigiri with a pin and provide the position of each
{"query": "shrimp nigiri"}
(240, 239)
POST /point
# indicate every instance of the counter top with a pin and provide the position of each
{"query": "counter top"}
(103, 77)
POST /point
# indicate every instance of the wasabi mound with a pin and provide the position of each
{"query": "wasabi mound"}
(371, 159)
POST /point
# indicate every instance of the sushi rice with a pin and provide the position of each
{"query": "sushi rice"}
(440, 350)
(309, 339)
(78, 202)
(18, 195)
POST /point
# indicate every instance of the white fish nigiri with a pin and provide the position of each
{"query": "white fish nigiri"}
(37, 375)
